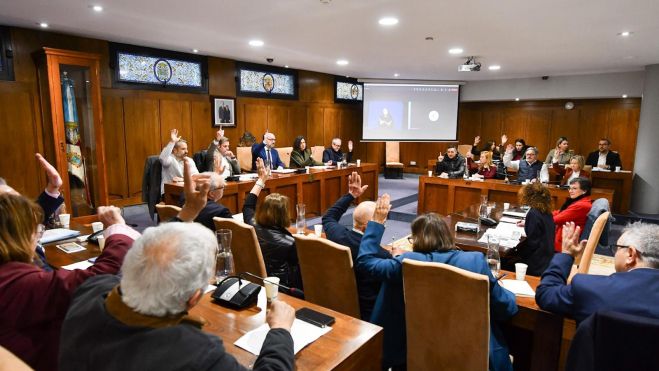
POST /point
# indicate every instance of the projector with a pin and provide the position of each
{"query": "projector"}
(470, 66)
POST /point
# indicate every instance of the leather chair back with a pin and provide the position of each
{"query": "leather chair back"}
(327, 274)
(583, 262)
(285, 155)
(247, 256)
(447, 313)
(392, 154)
(166, 212)
(317, 153)
(244, 156)
(463, 149)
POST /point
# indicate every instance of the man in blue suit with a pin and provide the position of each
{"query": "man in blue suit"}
(633, 289)
(266, 150)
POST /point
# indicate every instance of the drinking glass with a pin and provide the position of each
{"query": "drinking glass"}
(493, 259)
(300, 221)
(224, 258)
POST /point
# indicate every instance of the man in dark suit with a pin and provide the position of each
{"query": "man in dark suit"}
(266, 151)
(334, 154)
(633, 289)
(603, 158)
(367, 287)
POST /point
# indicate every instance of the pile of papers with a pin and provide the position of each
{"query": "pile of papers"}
(57, 234)
(519, 288)
(303, 334)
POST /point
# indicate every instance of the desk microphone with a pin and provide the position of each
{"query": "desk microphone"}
(289, 290)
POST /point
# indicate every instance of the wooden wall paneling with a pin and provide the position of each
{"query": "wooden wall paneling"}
(351, 129)
(623, 132)
(202, 131)
(514, 125)
(332, 122)
(315, 87)
(375, 152)
(593, 124)
(142, 131)
(538, 128)
(256, 119)
(491, 127)
(18, 139)
(564, 124)
(221, 77)
(421, 152)
(278, 123)
(175, 114)
(315, 126)
(115, 147)
(469, 124)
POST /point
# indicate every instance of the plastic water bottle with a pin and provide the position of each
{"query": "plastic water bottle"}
(493, 259)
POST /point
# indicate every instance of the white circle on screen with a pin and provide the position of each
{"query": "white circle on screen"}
(433, 116)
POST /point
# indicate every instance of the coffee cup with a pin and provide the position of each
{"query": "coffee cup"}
(617, 169)
(429, 172)
(97, 226)
(65, 219)
(318, 229)
(101, 242)
(506, 205)
(271, 288)
(359, 163)
(520, 271)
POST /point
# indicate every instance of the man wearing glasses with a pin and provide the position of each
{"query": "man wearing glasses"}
(633, 289)
(266, 151)
(603, 158)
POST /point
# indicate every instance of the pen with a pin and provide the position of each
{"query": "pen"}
(502, 276)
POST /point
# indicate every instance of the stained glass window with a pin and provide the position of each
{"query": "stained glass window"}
(6, 62)
(268, 82)
(349, 91)
(153, 70)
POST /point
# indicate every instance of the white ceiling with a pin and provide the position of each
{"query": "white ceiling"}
(526, 37)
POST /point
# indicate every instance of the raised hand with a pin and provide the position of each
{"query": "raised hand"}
(509, 148)
(173, 135)
(110, 215)
(350, 146)
(218, 166)
(261, 170)
(477, 140)
(54, 179)
(355, 187)
(571, 244)
(219, 134)
(382, 207)
(195, 200)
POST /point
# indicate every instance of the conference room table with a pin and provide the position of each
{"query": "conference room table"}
(318, 190)
(352, 344)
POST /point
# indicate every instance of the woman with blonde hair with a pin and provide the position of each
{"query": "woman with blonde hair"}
(270, 222)
(573, 170)
(486, 168)
(35, 301)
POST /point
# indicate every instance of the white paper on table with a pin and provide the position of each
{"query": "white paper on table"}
(519, 288)
(507, 230)
(600, 169)
(505, 219)
(283, 171)
(79, 265)
(247, 177)
(322, 167)
(303, 334)
(57, 234)
(516, 214)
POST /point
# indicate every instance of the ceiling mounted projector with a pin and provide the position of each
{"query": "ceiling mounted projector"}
(470, 65)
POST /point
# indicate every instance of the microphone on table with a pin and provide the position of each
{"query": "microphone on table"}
(289, 290)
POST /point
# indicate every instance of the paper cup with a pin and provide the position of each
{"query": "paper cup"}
(617, 169)
(520, 271)
(307, 168)
(97, 226)
(65, 219)
(429, 172)
(101, 242)
(506, 205)
(318, 229)
(271, 288)
(359, 162)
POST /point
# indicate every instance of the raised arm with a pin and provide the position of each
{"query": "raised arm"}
(165, 158)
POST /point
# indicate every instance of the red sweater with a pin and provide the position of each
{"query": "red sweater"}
(577, 212)
(33, 303)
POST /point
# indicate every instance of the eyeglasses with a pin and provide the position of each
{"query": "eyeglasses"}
(616, 247)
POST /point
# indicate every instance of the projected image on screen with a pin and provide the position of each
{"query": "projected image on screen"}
(410, 112)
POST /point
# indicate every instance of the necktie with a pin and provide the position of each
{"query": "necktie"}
(268, 158)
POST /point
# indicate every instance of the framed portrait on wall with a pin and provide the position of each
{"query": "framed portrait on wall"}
(224, 111)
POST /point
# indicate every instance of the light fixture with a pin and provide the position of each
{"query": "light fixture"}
(342, 62)
(455, 51)
(286, 66)
(388, 21)
(43, 25)
(494, 67)
(97, 8)
(396, 74)
(256, 43)
(516, 99)
(195, 50)
(624, 95)
(625, 33)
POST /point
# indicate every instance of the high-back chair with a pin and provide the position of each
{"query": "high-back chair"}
(166, 212)
(447, 314)
(285, 155)
(244, 156)
(317, 153)
(393, 168)
(327, 274)
(463, 149)
(247, 256)
(583, 262)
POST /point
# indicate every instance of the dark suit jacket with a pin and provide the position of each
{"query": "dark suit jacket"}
(211, 210)
(368, 287)
(335, 156)
(49, 205)
(612, 159)
(634, 292)
(151, 182)
(258, 150)
(210, 160)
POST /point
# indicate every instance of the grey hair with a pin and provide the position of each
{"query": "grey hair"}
(645, 238)
(216, 180)
(222, 141)
(534, 149)
(166, 266)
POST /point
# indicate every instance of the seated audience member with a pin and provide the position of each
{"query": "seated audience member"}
(486, 168)
(140, 320)
(604, 158)
(270, 222)
(575, 209)
(367, 286)
(538, 248)
(172, 158)
(451, 165)
(572, 171)
(219, 157)
(34, 302)
(633, 289)
(560, 155)
(529, 168)
(213, 206)
(334, 153)
(432, 241)
(519, 149)
(267, 152)
(301, 155)
(490, 146)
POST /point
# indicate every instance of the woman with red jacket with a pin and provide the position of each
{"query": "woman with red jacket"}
(575, 209)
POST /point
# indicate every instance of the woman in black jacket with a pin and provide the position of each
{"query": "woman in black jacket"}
(270, 222)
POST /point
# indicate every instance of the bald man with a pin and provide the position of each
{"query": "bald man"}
(368, 287)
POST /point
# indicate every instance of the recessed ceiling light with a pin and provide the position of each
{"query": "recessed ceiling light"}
(625, 33)
(396, 74)
(429, 38)
(195, 50)
(97, 8)
(494, 67)
(342, 62)
(455, 51)
(43, 25)
(516, 99)
(388, 21)
(256, 43)
(286, 66)
(624, 95)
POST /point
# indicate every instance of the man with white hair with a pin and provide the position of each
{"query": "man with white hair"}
(367, 287)
(633, 289)
(334, 154)
(267, 152)
(529, 168)
(213, 206)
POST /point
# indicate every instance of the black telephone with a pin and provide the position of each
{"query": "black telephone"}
(236, 292)
(93, 238)
(488, 221)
